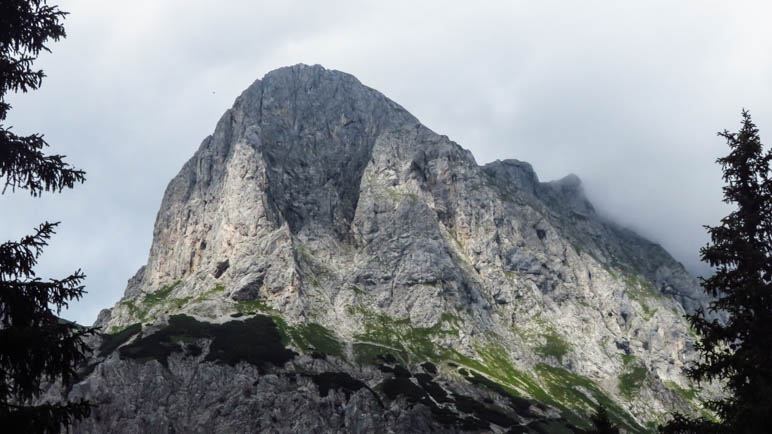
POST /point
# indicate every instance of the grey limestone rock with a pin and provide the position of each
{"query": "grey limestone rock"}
(323, 204)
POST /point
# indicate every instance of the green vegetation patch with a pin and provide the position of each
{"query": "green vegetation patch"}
(255, 340)
(385, 335)
(576, 396)
(497, 365)
(315, 337)
(252, 306)
(140, 308)
(687, 394)
(554, 346)
(691, 396)
(370, 354)
(134, 310)
(633, 377)
(209, 294)
(309, 338)
(178, 303)
(158, 297)
(581, 397)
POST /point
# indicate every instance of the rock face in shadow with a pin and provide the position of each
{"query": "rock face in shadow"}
(367, 237)
(237, 376)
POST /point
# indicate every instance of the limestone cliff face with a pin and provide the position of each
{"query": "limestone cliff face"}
(432, 292)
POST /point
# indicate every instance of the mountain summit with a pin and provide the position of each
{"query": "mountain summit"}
(324, 262)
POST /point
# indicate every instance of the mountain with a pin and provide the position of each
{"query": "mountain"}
(326, 263)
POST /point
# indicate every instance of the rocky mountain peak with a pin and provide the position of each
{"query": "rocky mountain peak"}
(368, 240)
(515, 172)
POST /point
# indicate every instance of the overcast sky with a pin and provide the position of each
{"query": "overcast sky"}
(627, 95)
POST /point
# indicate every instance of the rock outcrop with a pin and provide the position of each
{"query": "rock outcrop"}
(325, 262)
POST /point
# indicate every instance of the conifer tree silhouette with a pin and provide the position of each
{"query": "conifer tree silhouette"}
(737, 350)
(35, 345)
